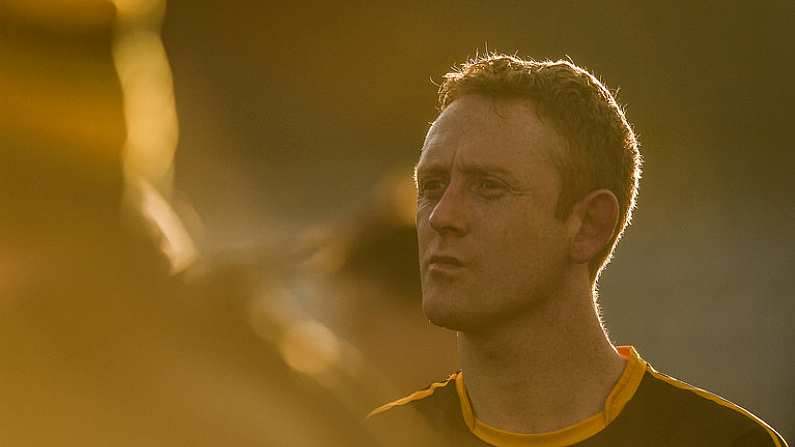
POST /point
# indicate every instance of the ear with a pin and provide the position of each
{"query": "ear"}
(593, 222)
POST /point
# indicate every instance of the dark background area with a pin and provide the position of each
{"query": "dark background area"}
(291, 114)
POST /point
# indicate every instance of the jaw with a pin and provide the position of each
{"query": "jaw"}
(462, 306)
(458, 309)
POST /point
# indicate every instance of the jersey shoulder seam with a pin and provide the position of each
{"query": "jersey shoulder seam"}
(415, 396)
(720, 401)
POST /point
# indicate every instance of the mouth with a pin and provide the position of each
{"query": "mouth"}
(444, 262)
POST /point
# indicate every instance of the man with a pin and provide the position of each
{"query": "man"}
(526, 181)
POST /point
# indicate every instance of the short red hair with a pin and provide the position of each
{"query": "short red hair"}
(602, 151)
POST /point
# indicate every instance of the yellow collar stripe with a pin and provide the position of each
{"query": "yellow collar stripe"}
(621, 394)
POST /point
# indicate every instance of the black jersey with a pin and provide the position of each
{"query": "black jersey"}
(645, 408)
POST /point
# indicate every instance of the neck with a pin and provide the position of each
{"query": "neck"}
(546, 369)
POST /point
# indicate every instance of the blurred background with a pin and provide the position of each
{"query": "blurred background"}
(264, 151)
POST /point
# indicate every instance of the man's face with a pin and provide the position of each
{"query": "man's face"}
(490, 246)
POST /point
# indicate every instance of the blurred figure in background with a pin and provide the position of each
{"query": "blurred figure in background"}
(103, 339)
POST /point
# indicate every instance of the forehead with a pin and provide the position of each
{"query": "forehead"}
(506, 134)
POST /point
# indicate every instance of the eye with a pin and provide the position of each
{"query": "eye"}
(488, 184)
(490, 188)
(430, 188)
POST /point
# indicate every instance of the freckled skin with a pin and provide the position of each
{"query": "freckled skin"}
(487, 191)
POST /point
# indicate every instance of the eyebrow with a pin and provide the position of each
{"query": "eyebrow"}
(470, 170)
(480, 170)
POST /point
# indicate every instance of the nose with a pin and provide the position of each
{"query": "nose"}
(449, 215)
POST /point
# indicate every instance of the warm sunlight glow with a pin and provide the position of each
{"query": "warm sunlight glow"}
(310, 347)
(147, 86)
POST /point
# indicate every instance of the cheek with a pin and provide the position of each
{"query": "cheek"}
(423, 229)
(523, 241)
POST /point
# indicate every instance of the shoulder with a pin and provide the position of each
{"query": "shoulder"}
(422, 418)
(694, 414)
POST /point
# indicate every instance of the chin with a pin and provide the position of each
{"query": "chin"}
(446, 321)
(443, 312)
(439, 312)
